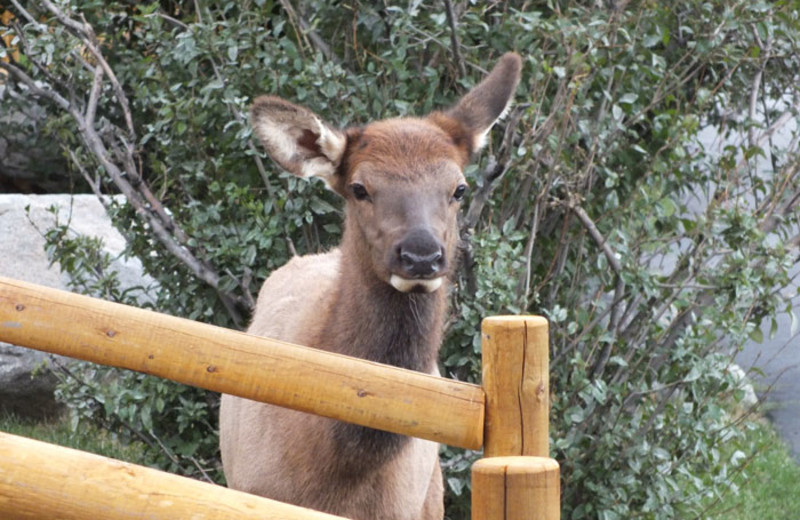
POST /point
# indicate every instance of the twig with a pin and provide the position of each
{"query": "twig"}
(168, 18)
(495, 170)
(454, 41)
(201, 470)
(164, 449)
(317, 41)
(311, 37)
(756, 86)
(86, 34)
(598, 238)
(779, 123)
(125, 424)
(94, 183)
(34, 89)
(534, 231)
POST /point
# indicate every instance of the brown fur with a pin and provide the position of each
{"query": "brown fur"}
(398, 177)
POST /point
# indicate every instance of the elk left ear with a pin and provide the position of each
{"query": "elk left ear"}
(297, 139)
(487, 102)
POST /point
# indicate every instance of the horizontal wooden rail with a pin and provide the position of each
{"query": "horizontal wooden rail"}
(301, 378)
(40, 480)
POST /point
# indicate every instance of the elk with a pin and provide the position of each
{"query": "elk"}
(380, 295)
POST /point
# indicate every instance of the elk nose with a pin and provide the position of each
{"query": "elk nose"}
(417, 265)
(420, 255)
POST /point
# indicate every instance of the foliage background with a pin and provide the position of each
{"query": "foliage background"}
(601, 203)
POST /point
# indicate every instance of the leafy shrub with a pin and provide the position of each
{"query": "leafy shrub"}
(602, 203)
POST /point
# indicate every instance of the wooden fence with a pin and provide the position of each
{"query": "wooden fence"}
(507, 416)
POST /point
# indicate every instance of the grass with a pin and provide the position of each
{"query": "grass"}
(769, 488)
(60, 432)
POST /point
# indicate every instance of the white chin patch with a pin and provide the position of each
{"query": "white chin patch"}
(409, 285)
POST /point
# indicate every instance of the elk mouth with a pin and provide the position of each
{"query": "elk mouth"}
(418, 285)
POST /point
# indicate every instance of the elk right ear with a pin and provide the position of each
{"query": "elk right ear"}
(297, 139)
(488, 101)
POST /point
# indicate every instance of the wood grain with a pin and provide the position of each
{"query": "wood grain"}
(301, 378)
(40, 480)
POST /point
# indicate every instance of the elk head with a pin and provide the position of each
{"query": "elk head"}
(402, 178)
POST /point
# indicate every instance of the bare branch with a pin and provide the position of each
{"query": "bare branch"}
(91, 105)
(35, 90)
(774, 214)
(619, 289)
(23, 12)
(64, 19)
(495, 170)
(317, 41)
(598, 238)
(115, 153)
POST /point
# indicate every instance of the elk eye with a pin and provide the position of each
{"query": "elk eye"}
(459, 193)
(359, 191)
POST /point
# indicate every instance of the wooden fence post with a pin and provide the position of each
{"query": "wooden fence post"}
(516, 379)
(517, 480)
(516, 488)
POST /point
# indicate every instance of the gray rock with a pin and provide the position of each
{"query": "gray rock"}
(26, 382)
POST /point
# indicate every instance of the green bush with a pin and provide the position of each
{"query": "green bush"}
(653, 251)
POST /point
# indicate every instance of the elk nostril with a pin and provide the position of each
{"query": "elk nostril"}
(436, 261)
(407, 260)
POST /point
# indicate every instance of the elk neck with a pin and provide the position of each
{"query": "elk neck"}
(372, 320)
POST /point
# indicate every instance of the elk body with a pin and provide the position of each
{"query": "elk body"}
(381, 295)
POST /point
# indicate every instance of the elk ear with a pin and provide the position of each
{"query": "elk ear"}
(487, 102)
(297, 139)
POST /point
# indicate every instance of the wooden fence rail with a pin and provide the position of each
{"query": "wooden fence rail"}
(514, 402)
(42, 481)
(231, 362)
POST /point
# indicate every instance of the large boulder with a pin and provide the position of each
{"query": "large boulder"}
(26, 381)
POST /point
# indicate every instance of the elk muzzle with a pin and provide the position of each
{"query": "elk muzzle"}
(419, 263)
